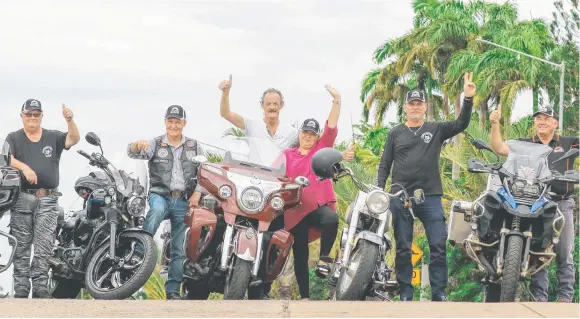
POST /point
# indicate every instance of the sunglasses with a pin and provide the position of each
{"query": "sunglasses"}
(35, 115)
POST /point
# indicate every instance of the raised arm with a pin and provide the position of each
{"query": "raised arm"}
(452, 128)
(335, 109)
(225, 112)
(73, 136)
(497, 143)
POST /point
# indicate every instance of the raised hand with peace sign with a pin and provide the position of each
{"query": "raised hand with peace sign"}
(469, 87)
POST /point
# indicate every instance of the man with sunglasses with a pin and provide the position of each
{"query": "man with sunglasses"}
(36, 152)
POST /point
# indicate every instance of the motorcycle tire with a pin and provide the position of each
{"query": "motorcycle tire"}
(511, 269)
(62, 288)
(238, 280)
(366, 255)
(492, 292)
(196, 291)
(136, 281)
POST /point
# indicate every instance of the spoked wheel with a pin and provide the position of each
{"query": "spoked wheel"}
(121, 277)
(354, 279)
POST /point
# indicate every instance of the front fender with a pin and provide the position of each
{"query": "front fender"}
(369, 236)
(246, 247)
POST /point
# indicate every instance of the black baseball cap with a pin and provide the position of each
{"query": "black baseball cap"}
(31, 105)
(175, 111)
(546, 110)
(415, 94)
(310, 125)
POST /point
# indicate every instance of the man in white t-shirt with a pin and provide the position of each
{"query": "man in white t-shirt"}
(268, 128)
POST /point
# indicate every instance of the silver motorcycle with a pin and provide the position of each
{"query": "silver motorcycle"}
(361, 270)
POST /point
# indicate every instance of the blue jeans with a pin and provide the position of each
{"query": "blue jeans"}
(161, 208)
(430, 213)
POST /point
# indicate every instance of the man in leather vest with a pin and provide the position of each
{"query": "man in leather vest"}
(173, 186)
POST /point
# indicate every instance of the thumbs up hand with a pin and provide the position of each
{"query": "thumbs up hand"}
(67, 113)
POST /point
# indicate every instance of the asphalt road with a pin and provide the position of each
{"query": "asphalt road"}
(278, 309)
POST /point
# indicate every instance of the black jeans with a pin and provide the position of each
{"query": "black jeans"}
(323, 218)
(431, 215)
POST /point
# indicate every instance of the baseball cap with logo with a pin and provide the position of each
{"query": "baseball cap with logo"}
(546, 110)
(31, 105)
(311, 125)
(175, 111)
(415, 94)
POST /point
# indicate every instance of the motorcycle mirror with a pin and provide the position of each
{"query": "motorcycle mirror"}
(302, 181)
(568, 155)
(199, 159)
(93, 139)
(481, 145)
(418, 197)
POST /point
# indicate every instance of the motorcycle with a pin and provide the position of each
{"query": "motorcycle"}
(103, 247)
(227, 242)
(10, 185)
(361, 270)
(509, 230)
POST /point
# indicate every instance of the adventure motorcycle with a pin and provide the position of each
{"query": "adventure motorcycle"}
(361, 270)
(227, 242)
(512, 227)
(103, 247)
(10, 185)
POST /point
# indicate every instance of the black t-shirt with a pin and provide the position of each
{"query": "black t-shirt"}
(416, 156)
(560, 145)
(43, 157)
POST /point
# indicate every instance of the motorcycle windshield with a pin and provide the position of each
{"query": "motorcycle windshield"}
(528, 161)
(256, 152)
(135, 169)
(4, 153)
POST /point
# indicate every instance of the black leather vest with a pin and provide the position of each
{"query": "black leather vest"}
(161, 165)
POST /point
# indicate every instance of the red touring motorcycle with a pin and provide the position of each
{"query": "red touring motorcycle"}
(227, 242)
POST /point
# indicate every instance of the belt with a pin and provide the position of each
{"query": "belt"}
(41, 192)
(177, 194)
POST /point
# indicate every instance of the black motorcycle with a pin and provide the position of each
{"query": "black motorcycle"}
(10, 180)
(103, 247)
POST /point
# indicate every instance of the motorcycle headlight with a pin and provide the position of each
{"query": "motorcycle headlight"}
(251, 199)
(378, 202)
(517, 188)
(277, 203)
(136, 206)
(225, 191)
(111, 191)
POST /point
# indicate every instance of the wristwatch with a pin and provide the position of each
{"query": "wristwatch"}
(337, 102)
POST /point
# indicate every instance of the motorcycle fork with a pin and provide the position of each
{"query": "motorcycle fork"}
(113, 239)
(525, 260)
(500, 252)
(226, 247)
(350, 237)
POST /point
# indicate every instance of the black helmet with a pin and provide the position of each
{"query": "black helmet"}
(88, 184)
(324, 162)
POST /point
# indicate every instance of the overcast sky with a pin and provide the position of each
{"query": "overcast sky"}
(119, 64)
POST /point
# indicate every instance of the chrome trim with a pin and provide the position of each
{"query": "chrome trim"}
(227, 243)
(258, 254)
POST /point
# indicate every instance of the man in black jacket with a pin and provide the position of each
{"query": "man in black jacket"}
(413, 150)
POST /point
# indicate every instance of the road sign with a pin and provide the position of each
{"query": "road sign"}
(416, 279)
(416, 254)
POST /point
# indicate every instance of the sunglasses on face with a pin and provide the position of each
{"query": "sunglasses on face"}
(35, 115)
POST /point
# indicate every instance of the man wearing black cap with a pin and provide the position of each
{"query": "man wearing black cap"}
(36, 152)
(413, 149)
(546, 123)
(173, 186)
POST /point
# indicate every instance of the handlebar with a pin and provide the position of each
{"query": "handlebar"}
(83, 153)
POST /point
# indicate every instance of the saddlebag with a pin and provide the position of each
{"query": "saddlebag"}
(459, 217)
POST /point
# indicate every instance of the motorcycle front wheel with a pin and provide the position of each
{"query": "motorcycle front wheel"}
(238, 279)
(356, 276)
(511, 269)
(120, 277)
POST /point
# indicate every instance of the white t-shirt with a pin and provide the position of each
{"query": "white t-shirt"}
(286, 137)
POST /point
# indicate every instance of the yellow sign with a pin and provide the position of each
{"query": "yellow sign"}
(416, 254)
(416, 279)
